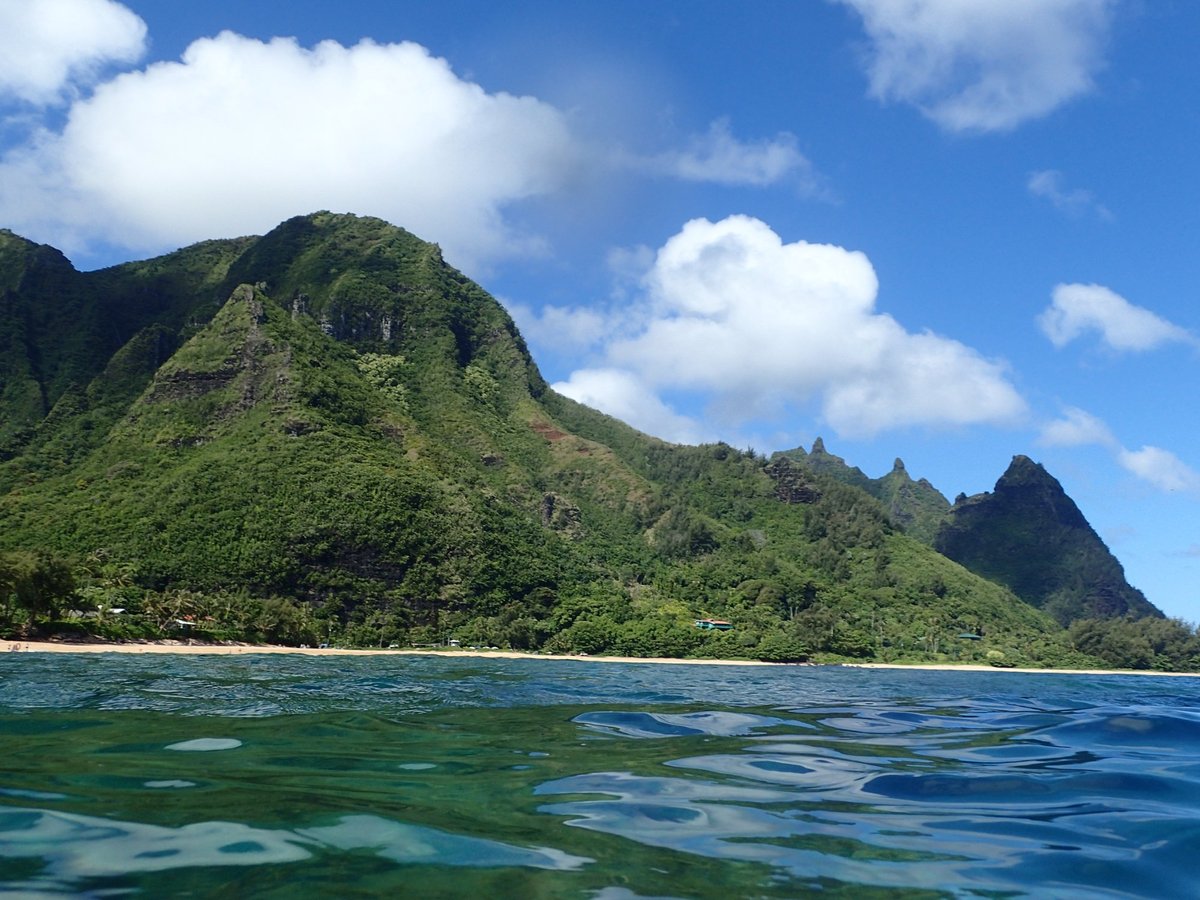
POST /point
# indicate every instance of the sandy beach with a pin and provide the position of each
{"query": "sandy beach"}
(197, 648)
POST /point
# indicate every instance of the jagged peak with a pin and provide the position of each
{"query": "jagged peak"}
(1023, 471)
(898, 467)
(1022, 462)
(818, 446)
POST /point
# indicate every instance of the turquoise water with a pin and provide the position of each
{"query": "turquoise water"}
(293, 776)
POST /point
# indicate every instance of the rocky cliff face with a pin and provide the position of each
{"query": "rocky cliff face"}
(1029, 535)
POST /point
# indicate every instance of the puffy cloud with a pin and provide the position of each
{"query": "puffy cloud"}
(1160, 468)
(46, 45)
(1076, 428)
(759, 327)
(1079, 308)
(1048, 184)
(986, 65)
(241, 134)
(565, 328)
(623, 395)
(720, 158)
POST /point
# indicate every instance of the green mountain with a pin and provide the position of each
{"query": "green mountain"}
(915, 506)
(1029, 535)
(327, 432)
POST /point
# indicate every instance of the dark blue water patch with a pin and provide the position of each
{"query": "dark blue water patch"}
(1138, 729)
(1028, 753)
(1047, 793)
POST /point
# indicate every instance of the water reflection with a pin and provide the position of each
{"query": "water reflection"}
(75, 848)
(954, 800)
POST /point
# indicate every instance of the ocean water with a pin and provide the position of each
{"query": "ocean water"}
(298, 776)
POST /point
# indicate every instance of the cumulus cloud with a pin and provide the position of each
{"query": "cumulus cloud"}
(1160, 468)
(241, 134)
(1076, 428)
(761, 327)
(623, 395)
(1076, 309)
(48, 45)
(986, 65)
(720, 158)
(1048, 185)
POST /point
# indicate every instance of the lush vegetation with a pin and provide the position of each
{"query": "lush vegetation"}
(352, 445)
(1030, 536)
(1167, 645)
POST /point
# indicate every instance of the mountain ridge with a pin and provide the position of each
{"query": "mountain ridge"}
(360, 432)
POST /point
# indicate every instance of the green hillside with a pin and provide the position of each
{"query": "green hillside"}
(327, 433)
(917, 507)
(1029, 535)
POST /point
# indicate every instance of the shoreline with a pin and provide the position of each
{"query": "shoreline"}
(195, 649)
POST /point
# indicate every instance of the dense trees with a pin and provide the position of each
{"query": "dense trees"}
(781, 614)
(33, 585)
(1147, 643)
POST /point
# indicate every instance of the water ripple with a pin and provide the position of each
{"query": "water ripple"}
(441, 776)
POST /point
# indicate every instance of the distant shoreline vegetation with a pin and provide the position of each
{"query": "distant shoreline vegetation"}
(43, 597)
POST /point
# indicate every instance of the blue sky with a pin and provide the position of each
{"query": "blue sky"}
(938, 230)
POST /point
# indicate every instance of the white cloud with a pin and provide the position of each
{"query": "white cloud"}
(1160, 468)
(242, 134)
(563, 328)
(623, 395)
(720, 158)
(761, 327)
(983, 65)
(1076, 428)
(1079, 308)
(46, 45)
(1048, 184)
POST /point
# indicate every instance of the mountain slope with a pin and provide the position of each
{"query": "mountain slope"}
(915, 506)
(332, 415)
(60, 329)
(1029, 535)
